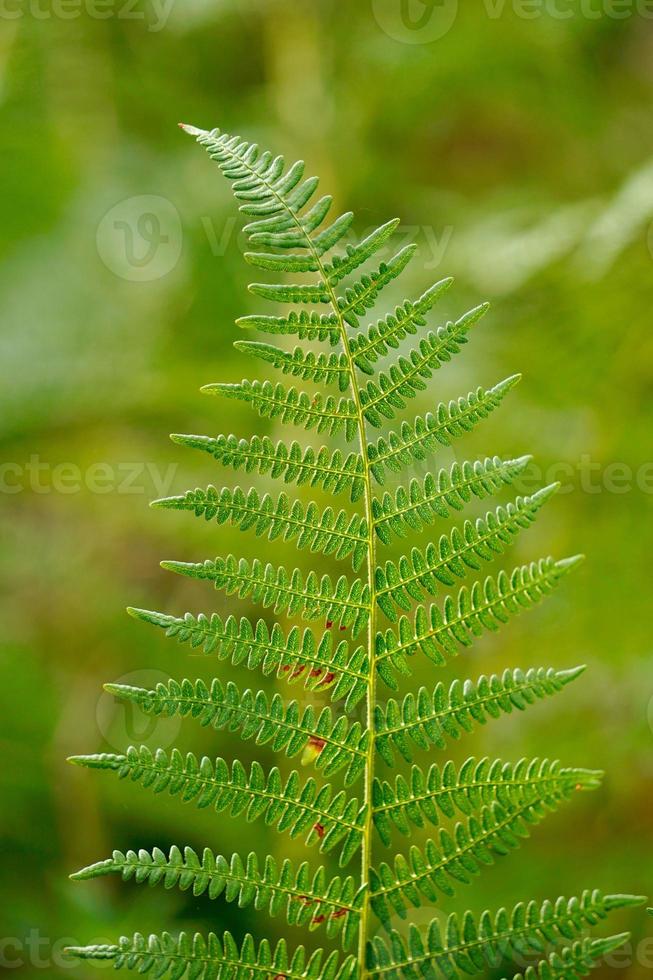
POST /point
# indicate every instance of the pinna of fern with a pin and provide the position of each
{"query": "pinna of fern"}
(362, 628)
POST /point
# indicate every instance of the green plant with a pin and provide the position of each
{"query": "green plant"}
(481, 809)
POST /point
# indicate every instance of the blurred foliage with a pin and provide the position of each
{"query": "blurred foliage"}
(518, 153)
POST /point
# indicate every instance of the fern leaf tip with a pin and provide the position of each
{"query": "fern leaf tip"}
(92, 871)
(503, 386)
(601, 947)
(104, 760)
(544, 493)
(175, 566)
(125, 691)
(192, 130)
(566, 564)
(145, 615)
(164, 503)
(566, 676)
(521, 462)
(477, 312)
(619, 901)
(183, 439)
(92, 952)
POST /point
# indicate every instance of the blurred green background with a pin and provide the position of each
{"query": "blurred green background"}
(516, 144)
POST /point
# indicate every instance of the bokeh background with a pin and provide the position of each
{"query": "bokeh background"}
(516, 143)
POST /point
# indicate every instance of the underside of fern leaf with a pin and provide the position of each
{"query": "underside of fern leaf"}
(363, 624)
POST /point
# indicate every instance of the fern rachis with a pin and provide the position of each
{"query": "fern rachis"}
(480, 810)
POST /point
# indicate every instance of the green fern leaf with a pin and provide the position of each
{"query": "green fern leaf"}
(424, 572)
(329, 470)
(486, 606)
(310, 899)
(326, 532)
(576, 960)
(471, 946)
(427, 433)
(217, 959)
(305, 325)
(423, 503)
(456, 856)
(324, 368)
(430, 718)
(296, 656)
(380, 399)
(289, 405)
(285, 726)
(386, 334)
(363, 294)
(328, 817)
(315, 598)
(342, 266)
(444, 791)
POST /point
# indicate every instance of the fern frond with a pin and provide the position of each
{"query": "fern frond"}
(342, 266)
(327, 469)
(294, 807)
(306, 898)
(427, 433)
(442, 791)
(289, 405)
(480, 809)
(380, 399)
(456, 856)
(313, 597)
(472, 945)
(363, 294)
(379, 338)
(486, 606)
(430, 718)
(296, 656)
(324, 368)
(424, 572)
(216, 959)
(303, 324)
(437, 496)
(285, 726)
(323, 531)
(574, 961)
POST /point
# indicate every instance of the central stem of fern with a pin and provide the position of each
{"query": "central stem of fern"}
(366, 843)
